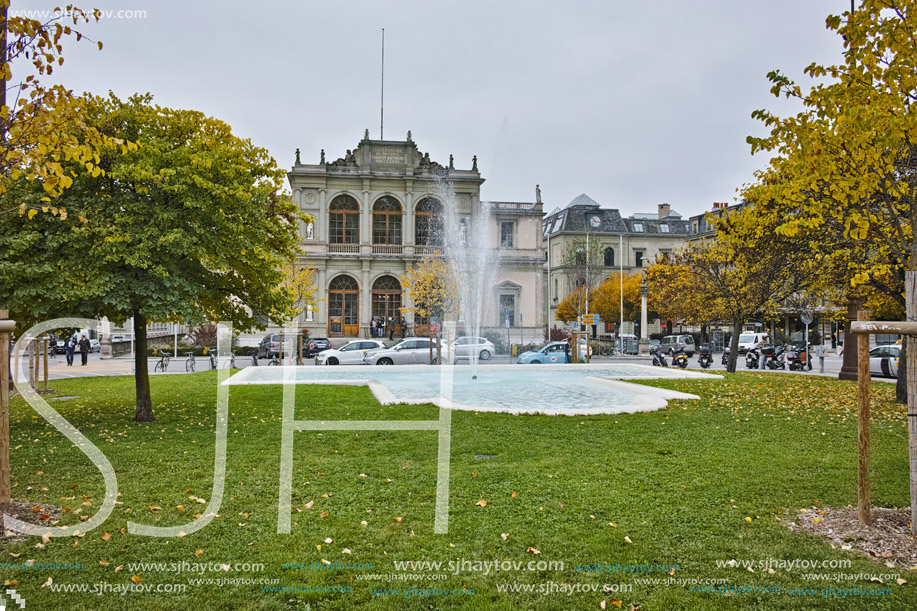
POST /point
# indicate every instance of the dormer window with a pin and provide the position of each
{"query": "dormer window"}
(663, 228)
(638, 227)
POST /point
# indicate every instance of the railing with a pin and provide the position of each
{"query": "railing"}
(388, 249)
(350, 249)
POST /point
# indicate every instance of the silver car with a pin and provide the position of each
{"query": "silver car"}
(466, 347)
(350, 353)
(409, 351)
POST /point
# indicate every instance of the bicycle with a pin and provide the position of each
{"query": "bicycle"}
(215, 356)
(163, 365)
(189, 363)
(275, 360)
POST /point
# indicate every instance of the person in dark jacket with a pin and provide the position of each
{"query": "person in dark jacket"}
(84, 349)
(69, 347)
(404, 327)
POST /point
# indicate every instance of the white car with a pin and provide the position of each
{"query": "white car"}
(410, 350)
(466, 347)
(350, 353)
(883, 360)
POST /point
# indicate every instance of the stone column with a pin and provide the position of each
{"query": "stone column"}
(366, 292)
(320, 311)
(366, 215)
(644, 331)
(321, 223)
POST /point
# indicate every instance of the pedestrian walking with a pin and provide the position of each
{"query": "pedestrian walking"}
(84, 349)
(391, 328)
(404, 327)
(69, 346)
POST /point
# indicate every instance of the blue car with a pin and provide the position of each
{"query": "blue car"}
(553, 352)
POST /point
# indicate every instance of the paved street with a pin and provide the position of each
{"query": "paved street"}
(123, 366)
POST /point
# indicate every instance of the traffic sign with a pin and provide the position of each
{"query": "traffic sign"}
(591, 319)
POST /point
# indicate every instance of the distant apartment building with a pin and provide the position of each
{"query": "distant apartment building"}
(631, 243)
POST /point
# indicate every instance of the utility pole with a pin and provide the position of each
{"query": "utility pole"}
(382, 91)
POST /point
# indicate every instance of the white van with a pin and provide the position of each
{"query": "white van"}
(750, 339)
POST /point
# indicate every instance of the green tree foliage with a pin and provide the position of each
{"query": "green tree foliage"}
(188, 227)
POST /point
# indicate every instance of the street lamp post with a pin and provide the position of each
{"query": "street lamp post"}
(644, 332)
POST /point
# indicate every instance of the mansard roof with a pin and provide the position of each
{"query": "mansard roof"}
(575, 216)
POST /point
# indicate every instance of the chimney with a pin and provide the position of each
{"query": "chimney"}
(664, 210)
(719, 205)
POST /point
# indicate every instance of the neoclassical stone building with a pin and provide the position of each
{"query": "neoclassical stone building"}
(378, 211)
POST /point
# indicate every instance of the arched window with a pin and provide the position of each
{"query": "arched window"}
(428, 222)
(386, 302)
(386, 221)
(344, 220)
(343, 306)
(609, 257)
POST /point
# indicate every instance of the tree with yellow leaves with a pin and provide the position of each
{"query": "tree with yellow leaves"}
(433, 288)
(43, 133)
(299, 281)
(748, 271)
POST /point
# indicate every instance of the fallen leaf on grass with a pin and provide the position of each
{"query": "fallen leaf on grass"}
(481, 503)
(533, 550)
(47, 583)
(106, 536)
(136, 579)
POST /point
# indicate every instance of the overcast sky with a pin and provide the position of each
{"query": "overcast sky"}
(633, 103)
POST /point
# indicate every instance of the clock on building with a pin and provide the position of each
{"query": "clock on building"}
(595, 221)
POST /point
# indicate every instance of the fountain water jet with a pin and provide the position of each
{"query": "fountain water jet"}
(468, 247)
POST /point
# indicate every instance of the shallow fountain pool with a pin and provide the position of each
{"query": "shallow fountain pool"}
(545, 389)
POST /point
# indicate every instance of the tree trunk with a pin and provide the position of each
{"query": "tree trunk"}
(901, 386)
(734, 345)
(144, 411)
(849, 368)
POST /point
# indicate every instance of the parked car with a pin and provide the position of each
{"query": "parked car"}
(883, 360)
(410, 350)
(749, 340)
(270, 346)
(315, 346)
(466, 347)
(552, 352)
(350, 353)
(671, 344)
(60, 346)
(95, 346)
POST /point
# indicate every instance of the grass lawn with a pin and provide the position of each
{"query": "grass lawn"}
(697, 483)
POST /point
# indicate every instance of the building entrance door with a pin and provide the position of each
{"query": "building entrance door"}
(344, 307)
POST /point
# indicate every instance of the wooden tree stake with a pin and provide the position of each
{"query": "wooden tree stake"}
(864, 495)
(910, 283)
(6, 328)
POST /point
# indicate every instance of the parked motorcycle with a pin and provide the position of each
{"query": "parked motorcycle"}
(704, 356)
(680, 358)
(658, 357)
(798, 359)
(774, 357)
(752, 358)
(725, 360)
